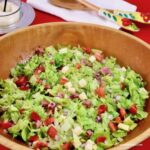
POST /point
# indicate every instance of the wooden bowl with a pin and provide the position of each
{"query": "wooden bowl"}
(129, 50)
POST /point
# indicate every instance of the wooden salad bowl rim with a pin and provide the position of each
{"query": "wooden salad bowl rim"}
(68, 31)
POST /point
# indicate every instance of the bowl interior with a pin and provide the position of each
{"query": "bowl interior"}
(128, 50)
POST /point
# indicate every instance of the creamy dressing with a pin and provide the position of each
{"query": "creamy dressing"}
(10, 16)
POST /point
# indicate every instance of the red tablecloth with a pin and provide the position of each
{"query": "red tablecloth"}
(144, 34)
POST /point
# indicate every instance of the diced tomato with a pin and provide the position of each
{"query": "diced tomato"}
(49, 121)
(118, 119)
(87, 50)
(33, 138)
(24, 87)
(100, 91)
(67, 146)
(100, 139)
(102, 109)
(122, 112)
(133, 109)
(52, 132)
(99, 56)
(6, 125)
(78, 66)
(35, 116)
(22, 80)
(112, 126)
(39, 69)
(40, 145)
(63, 81)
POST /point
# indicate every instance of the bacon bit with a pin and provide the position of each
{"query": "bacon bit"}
(52, 132)
(122, 86)
(133, 109)
(47, 86)
(35, 116)
(60, 95)
(73, 96)
(22, 80)
(118, 120)
(45, 103)
(87, 50)
(89, 133)
(122, 112)
(112, 126)
(6, 125)
(38, 80)
(38, 124)
(39, 70)
(100, 139)
(39, 51)
(99, 56)
(87, 103)
(102, 109)
(105, 71)
(21, 110)
(24, 87)
(52, 105)
(63, 80)
(49, 121)
(40, 145)
(33, 138)
(78, 66)
(100, 91)
(67, 146)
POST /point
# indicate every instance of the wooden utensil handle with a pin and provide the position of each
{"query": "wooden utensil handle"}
(89, 5)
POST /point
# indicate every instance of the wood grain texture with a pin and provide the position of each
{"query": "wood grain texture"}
(69, 4)
(129, 51)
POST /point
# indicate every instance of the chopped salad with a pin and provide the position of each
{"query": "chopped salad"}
(65, 98)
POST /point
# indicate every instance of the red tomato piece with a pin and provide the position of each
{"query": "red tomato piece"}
(133, 109)
(52, 132)
(100, 91)
(67, 146)
(122, 112)
(35, 116)
(33, 138)
(100, 139)
(112, 126)
(102, 109)
(78, 66)
(63, 81)
(39, 69)
(22, 80)
(40, 145)
(118, 119)
(24, 87)
(87, 50)
(49, 121)
(6, 125)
